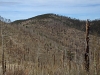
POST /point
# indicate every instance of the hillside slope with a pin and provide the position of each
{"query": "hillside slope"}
(71, 22)
(48, 43)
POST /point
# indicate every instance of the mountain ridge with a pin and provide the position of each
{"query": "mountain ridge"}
(71, 22)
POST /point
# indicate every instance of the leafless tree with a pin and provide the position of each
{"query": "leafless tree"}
(2, 23)
(87, 46)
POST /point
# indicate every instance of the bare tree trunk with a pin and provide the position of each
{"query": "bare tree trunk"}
(3, 60)
(87, 47)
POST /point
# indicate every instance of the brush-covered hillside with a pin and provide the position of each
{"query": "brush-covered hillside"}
(48, 44)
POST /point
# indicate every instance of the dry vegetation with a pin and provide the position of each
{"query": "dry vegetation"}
(47, 47)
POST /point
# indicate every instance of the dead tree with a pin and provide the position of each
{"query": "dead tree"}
(3, 60)
(87, 47)
(2, 23)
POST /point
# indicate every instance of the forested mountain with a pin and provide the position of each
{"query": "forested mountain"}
(71, 22)
(49, 44)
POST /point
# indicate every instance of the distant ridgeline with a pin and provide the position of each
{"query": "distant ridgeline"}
(5, 20)
(64, 20)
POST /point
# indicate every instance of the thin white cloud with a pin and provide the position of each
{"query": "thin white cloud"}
(70, 2)
(2, 3)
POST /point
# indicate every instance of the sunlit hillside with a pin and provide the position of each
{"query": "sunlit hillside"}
(49, 44)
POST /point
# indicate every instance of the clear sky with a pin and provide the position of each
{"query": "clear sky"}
(23, 9)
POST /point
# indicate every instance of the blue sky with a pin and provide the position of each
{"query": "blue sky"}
(23, 9)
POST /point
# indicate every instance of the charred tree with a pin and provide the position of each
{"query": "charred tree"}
(87, 47)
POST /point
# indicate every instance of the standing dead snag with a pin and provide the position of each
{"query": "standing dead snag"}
(3, 58)
(2, 51)
(87, 46)
(2, 24)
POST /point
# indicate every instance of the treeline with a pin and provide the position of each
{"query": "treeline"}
(4, 20)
